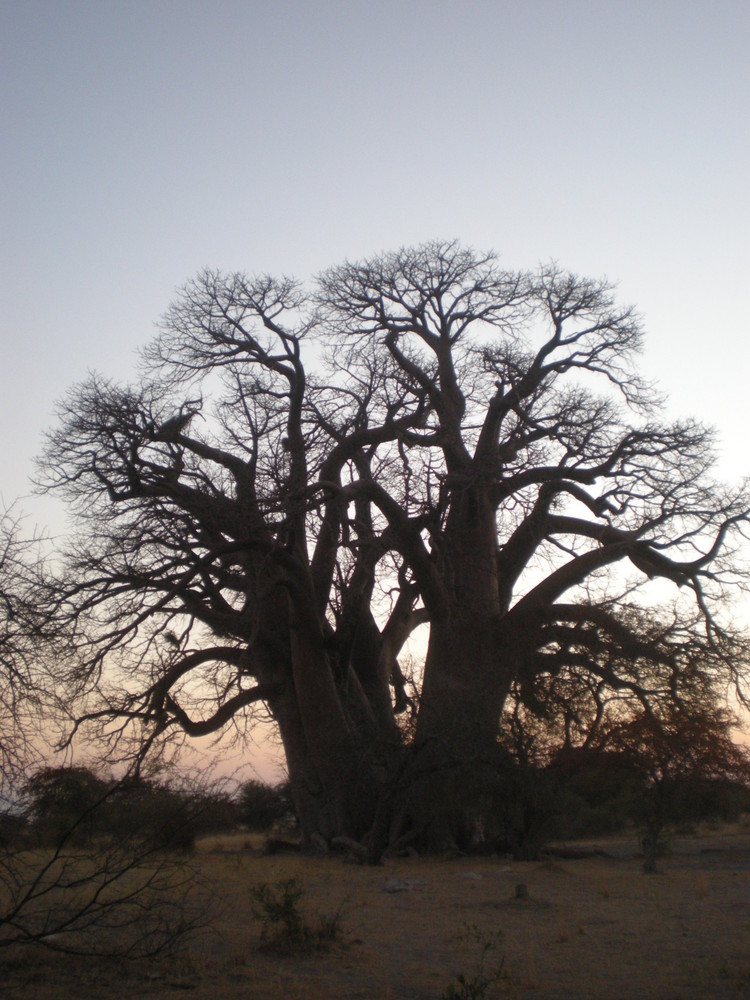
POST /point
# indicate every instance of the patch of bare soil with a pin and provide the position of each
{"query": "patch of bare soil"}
(591, 926)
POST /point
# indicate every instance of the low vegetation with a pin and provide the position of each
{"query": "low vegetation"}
(285, 925)
(590, 928)
(90, 865)
(478, 984)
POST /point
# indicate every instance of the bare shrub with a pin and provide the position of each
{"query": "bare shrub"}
(284, 925)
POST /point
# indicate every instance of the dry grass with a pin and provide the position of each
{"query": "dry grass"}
(594, 928)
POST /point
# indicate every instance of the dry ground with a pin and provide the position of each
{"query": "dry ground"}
(594, 928)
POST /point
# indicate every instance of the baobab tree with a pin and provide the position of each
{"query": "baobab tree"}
(422, 438)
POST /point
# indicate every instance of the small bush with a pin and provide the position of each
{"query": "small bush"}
(475, 987)
(284, 926)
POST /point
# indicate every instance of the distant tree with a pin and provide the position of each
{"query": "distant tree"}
(675, 753)
(259, 805)
(577, 735)
(64, 800)
(423, 438)
(170, 814)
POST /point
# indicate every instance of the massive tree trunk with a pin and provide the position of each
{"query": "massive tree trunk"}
(466, 680)
(329, 748)
(332, 781)
(335, 746)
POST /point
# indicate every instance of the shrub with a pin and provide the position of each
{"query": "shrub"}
(65, 801)
(475, 986)
(14, 830)
(259, 805)
(284, 926)
(78, 804)
(170, 816)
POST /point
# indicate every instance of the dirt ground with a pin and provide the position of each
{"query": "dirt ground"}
(594, 927)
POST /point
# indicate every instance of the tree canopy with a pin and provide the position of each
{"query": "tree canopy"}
(302, 477)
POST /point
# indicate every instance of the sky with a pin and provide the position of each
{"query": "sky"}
(144, 140)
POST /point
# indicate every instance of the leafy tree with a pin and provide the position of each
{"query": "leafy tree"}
(76, 803)
(259, 805)
(577, 737)
(674, 753)
(170, 814)
(657, 751)
(423, 437)
(64, 800)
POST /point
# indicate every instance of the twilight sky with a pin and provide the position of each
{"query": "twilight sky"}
(142, 140)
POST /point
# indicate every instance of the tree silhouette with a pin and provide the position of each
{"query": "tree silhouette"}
(422, 437)
(74, 894)
(674, 752)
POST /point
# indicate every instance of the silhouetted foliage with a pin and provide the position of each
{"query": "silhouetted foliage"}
(79, 804)
(64, 800)
(62, 885)
(676, 755)
(598, 793)
(656, 764)
(14, 830)
(260, 805)
(76, 877)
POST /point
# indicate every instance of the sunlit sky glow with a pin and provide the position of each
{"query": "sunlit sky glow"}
(143, 140)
